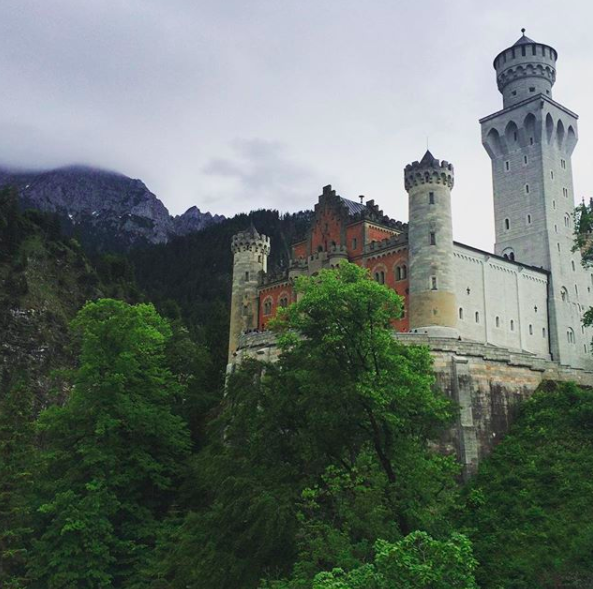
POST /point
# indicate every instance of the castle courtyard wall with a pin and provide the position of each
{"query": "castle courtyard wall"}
(488, 384)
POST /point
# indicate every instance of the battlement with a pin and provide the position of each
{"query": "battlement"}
(389, 242)
(250, 240)
(429, 170)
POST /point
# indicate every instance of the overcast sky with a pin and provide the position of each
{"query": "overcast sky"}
(233, 105)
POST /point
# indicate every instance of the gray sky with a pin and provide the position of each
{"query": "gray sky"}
(240, 104)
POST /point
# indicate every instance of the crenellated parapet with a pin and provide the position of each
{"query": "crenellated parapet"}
(250, 240)
(429, 171)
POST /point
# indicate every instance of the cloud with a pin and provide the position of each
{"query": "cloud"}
(263, 172)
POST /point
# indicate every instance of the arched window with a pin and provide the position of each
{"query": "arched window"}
(567, 220)
(508, 254)
(283, 300)
(398, 273)
(564, 294)
(404, 272)
(570, 335)
(379, 274)
(267, 305)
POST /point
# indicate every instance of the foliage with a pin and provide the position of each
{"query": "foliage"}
(17, 461)
(414, 562)
(319, 454)
(112, 454)
(529, 511)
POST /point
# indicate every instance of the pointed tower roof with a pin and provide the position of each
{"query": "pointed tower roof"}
(428, 159)
(252, 231)
(523, 40)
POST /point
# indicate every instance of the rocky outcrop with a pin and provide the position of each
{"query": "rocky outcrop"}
(106, 210)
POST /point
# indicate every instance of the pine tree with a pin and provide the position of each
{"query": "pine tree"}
(16, 466)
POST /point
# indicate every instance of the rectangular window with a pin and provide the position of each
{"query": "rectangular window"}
(525, 160)
(246, 276)
(433, 238)
(526, 188)
(507, 165)
(431, 198)
(354, 243)
(433, 282)
(531, 141)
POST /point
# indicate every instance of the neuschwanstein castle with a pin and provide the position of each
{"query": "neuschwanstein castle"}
(524, 301)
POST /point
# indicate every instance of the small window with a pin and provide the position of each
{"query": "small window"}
(552, 174)
(507, 224)
(523, 51)
(354, 243)
(526, 188)
(530, 142)
(498, 322)
(433, 238)
(563, 164)
(525, 160)
(555, 228)
(460, 312)
(514, 92)
(576, 290)
(512, 325)
(246, 276)
(477, 317)
(433, 282)
(558, 245)
(531, 88)
(528, 219)
(553, 204)
(530, 329)
(398, 273)
(573, 266)
(543, 332)
(404, 272)
(431, 198)
(507, 165)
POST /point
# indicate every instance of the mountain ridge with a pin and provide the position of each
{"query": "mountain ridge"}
(106, 210)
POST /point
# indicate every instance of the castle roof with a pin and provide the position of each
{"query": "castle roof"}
(523, 40)
(354, 208)
(428, 159)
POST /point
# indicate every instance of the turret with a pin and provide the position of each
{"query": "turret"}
(430, 242)
(524, 70)
(251, 252)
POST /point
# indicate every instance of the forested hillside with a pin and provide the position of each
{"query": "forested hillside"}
(127, 462)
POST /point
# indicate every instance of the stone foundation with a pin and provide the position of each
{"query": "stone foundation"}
(487, 383)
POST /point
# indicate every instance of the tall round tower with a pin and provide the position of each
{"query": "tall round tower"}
(430, 247)
(251, 252)
(524, 70)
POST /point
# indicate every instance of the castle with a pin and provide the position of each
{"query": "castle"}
(497, 322)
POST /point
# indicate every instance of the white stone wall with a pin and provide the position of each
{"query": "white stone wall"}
(510, 301)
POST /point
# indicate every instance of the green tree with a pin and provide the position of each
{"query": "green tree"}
(112, 455)
(320, 453)
(529, 511)
(415, 562)
(17, 458)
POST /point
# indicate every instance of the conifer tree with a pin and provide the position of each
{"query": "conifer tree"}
(17, 457)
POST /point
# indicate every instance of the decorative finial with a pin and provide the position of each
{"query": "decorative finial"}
(361, 198)
(523, 31)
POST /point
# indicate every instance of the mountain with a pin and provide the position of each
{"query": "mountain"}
(105, 210)
(45, 279)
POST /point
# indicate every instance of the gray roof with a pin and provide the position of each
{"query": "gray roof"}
(524, 41)
(354, 208)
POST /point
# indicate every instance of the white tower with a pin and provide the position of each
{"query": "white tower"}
(530, 142)
(251, 252)
(433, 307)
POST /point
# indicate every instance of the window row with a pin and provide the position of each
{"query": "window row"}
(498, 322)
(283, 301)
(380, 273)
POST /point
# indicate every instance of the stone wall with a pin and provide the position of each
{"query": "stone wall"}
(487, 383)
